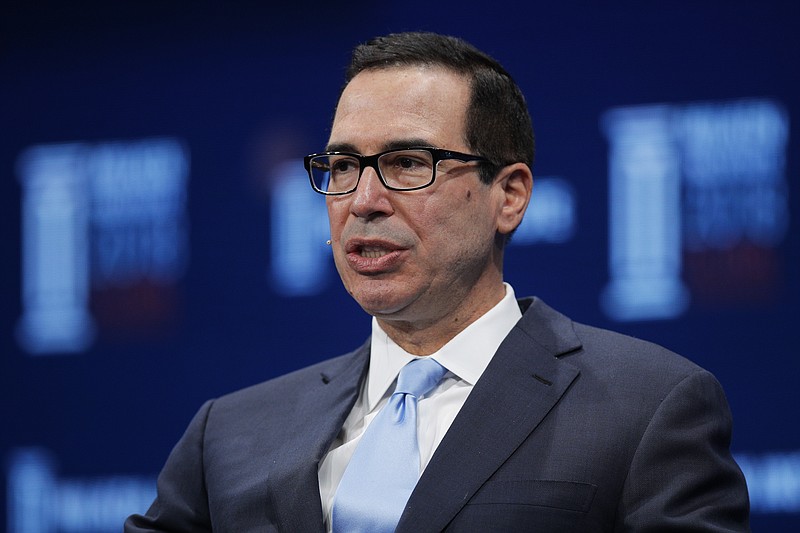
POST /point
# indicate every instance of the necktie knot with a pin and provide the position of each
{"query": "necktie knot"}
(419, 377)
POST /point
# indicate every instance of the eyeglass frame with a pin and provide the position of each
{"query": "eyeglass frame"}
(364, 161)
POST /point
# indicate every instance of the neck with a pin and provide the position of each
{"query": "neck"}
(424, 337)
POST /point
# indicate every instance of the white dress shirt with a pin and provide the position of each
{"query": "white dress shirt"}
(465, 357)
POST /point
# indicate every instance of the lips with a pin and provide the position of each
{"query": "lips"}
(373, 256)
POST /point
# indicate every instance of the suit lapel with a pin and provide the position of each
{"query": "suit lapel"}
(523, 382)
(293, 485)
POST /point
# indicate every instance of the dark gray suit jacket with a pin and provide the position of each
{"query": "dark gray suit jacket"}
(570, 428)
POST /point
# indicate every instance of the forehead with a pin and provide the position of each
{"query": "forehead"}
(381, 108)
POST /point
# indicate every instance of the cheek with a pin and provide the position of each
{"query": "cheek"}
(337, 215)
(451, 226)
(469, 207)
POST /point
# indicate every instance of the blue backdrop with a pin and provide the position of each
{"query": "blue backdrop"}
(162, 246)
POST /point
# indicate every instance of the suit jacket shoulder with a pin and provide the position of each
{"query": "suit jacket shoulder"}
(248, 460)
(576, 428)
(285, 392)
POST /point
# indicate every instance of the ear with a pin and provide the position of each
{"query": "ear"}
(514, 183)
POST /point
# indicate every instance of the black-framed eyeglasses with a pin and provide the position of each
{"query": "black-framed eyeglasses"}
(405, 169)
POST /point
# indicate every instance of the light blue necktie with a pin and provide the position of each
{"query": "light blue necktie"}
(385, 466)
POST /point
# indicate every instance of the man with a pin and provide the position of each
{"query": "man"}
(538, 424)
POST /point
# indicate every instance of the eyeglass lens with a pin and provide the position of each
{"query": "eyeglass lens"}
(400, 169)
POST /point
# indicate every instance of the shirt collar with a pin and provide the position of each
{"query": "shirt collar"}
(466, 355)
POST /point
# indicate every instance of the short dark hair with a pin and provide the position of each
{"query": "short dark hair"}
(498, 124)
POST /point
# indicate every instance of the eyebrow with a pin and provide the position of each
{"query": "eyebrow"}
(398, 144)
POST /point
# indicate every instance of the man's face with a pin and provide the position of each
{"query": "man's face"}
(413, 257)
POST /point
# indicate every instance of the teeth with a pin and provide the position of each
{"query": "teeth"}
(373, 253)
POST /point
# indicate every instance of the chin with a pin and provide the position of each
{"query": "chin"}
(379, 308)
(379, 303)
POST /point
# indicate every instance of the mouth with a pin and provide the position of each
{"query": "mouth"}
(373, 257)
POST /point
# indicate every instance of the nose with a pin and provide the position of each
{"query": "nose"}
(371, 198)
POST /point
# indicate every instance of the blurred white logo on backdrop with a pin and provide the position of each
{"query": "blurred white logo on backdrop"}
(95, 216)
(700, 186)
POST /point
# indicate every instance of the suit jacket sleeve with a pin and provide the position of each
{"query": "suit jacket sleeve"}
(181, 503)
(683, 476)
